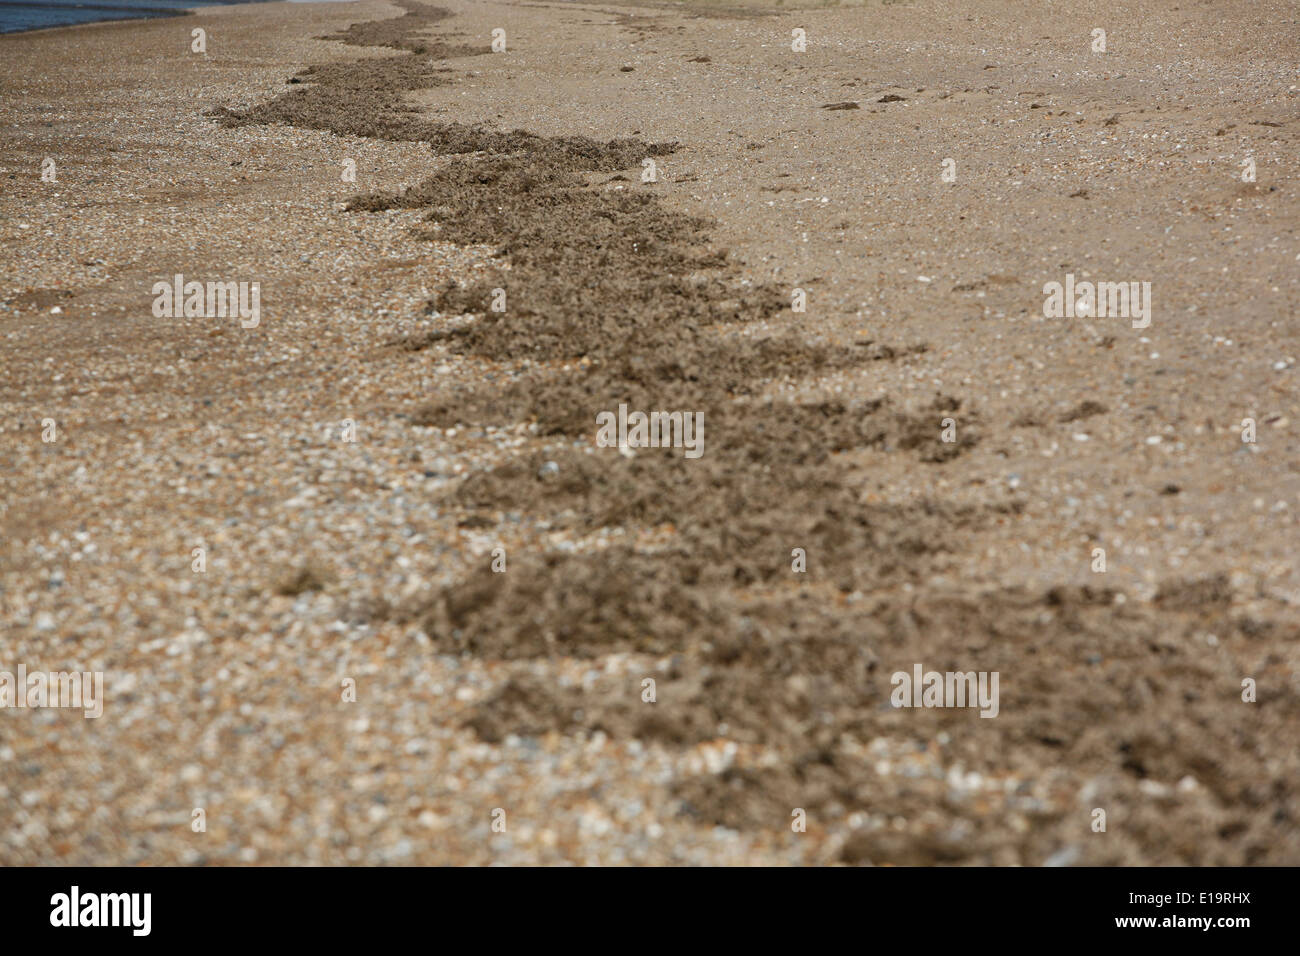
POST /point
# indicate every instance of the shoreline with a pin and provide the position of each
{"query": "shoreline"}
(97, 23)
(147, 14)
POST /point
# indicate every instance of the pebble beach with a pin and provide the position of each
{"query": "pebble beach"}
(260, 535)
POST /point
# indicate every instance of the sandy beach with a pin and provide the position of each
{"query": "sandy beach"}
(364, 584)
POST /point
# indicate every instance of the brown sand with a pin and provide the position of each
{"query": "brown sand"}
(523, 690)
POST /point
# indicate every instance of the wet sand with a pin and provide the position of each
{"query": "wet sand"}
(516, 178)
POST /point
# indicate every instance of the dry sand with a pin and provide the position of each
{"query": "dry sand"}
(519, 694)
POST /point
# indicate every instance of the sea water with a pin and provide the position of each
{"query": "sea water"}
(30, 15)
